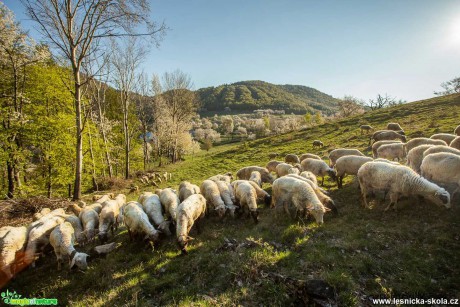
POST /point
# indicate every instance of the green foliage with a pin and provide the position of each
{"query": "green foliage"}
(247, 96)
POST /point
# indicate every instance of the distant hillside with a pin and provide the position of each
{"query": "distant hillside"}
(247, 96)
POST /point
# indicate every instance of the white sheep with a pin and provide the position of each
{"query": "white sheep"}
(227, 177)
(186, 189)
(455, 143)
(256, 177)
(298, 193)
(39, 237)
(260, 193)
(12, 242)
(245, 173)
(398, 180)
(309, 155)
(246, 196)
(366, 128)
(440, 148)
(415, 157)
(109, 217)
(457, 130)
(394, 127)
(89, 219)
(310, 176)
(62, 238)
(190, 211)
(349, 165)
(211, 193)
(228, 196)
(340, 152)
(376, 146)
(170, 201)
(40, 214)
(291, 158)
(283, 169)
(271, 166)
(446, 137)
(442, 168)
(392, 151)
(144, 196)
(152, 207)
(137, 222)
(386, 161)
(318, 168)
(317, 143)
(422, 141)
(77, 226)
(388, 135)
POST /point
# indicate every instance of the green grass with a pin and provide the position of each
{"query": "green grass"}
(413, 252)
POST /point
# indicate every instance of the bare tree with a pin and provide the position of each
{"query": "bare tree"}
(384, 102)
(450, 87)
(349, 106)
(126, 61)
(76, 28)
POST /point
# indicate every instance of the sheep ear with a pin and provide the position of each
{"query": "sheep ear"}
(72, 262)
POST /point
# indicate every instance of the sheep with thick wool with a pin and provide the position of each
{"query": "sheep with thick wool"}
(284, 168)
(340, 152)
(89, 219)
(398, 180)
(152, 207)
(191, 211)
(387, 135)
(256, 177)
(310, 176)
(271, 165)
(211, 193)
(455, 143)
(187, 189)
(415, 157)
(440, 148)
(245, 173)
(228, 196)
(422, 141)
(13, 242)
(288, 191)
(77, 226)
(442, 168)
(377, 145)
(349, 165)
(227, 177)
(144, 196)
(109, 217)
(392, 151)
(309, 155)
(40, 214)
(291, 158)
(170, 200)
(62, 238)
(394, 127)
(318, 168)
(246, 196)
(446, 137)
(137, 222)
(457, 130)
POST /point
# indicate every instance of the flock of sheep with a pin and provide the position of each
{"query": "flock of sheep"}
(433, 168)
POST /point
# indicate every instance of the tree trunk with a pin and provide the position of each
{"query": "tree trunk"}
(79, 141)
(144, 139)
(49, 185)
(91, 152)
(10, 174)
(104, 138)
(126, 133)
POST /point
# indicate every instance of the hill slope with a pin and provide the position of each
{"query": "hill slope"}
(247, 96)
(363, 253)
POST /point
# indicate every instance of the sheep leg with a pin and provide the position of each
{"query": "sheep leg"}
(322, 181)
(130, 235)
(364, 194)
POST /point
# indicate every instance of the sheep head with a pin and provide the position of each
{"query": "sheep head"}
(220, 210)
(182, 241)
(255, 216)
(79, 259)
(441, 197)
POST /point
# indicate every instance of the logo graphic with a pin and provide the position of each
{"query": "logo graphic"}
(12, 298)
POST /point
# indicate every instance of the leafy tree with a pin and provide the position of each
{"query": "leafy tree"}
(318, 118)
(307, 118)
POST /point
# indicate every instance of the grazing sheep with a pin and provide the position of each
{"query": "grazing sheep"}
(89, 219)
(246, 196)
(108, 218)
(271, 166)
(309, 155)
(39, 237)
(298, 193)
(394, 127)
(40, 214)
(12, 241)
(273, 155)
(144, 196)
(349, 165)
(446, 137)
(245, 173)
(255, 177)
(318, 168)
(260, 193)
(415, 157)
(391, 151)
(291, 158)
(310, 176)
(386, 135)
(398, 180)
(457, 130)
(317, 143)
(210, 191)
(340, 152)
(422, 141)
(137, 222)
(442, 168)
(440, 148)
(152, 207)
(170, 201)
(190, 211)
(455, 143)
(376, 146)
(323, 198)
(227, 177)
(386, 161)
(77, 227)
(283, 169)
(228, 196)
(62, 238)
(366, 128)
(186, 189)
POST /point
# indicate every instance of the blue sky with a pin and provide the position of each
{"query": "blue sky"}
(405, 48)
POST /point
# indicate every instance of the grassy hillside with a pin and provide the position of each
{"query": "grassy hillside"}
(247, 96)
(363, 253)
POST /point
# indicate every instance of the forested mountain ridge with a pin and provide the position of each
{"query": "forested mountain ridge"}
(251, 95)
